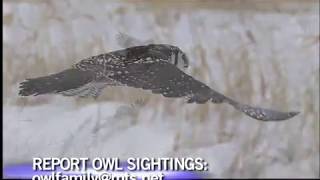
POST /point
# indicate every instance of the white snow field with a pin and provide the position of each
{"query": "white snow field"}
(264, 53)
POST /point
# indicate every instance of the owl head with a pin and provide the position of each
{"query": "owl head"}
(178, 57)
(173, 54)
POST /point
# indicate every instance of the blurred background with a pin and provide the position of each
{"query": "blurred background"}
(262, 53)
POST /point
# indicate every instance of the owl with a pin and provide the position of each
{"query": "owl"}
(158, 68)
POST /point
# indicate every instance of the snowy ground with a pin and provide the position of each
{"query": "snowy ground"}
(258, 53)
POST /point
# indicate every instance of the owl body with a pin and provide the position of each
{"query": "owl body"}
(138, 54)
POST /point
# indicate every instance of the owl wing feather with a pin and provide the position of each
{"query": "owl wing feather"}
(164, 78)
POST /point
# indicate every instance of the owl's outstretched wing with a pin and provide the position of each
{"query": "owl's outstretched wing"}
(164, 78)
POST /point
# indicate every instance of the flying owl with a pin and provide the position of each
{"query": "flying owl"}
(155, 67)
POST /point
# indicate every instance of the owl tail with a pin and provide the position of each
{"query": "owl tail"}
(261, 113)
(55, 83)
